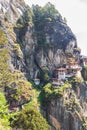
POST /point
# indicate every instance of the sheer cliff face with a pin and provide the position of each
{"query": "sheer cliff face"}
(67, 110)
(59, 41)
(11, 9)
(40, 45)
(34, 45)
(46, 43)
(66, 113)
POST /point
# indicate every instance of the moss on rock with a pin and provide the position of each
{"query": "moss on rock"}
(3, 38)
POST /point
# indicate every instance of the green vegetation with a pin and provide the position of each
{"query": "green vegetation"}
(5, 74)
(17, 75)
(47, 13)
(34, 99)
(17, 50)
(3, 38)
(42, 16)
(84, 126)
(26, 18)
(74, 81)
(6, 18)
(49, 92)
(44, 75)
(22, 89)
(4, 117)
(4, 54)
(84, 72)
(14, 84)
(73, 104)
(30, 119)
(19, 89)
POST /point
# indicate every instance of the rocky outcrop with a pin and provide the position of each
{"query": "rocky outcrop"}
(48, 47)
(38, 45)
(57, 39)
(11, 10)
(60, 41)
(67, 113)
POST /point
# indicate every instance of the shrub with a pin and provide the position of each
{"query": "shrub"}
(19, 89)
(6, 17)
(30, 119)
(4, 117)
(44, 75)
(3, 38)
(26, 17)
(17, 49)
(52, 92)
(75, 81)
(5, 74)
(84, 72)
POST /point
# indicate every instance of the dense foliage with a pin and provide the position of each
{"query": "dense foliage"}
(19, 91)
(4, 117)
(30, 119)
(84, 72)
(3, 38)
(5, 75)
(42, 16)
(75, 81)
(44, 75)
(49, 92)
(26, 18)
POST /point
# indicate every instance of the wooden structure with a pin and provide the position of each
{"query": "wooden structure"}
(37, 81)
(60, 73)
(57, 82)
(73, 68)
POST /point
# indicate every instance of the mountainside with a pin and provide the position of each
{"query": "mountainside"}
(43, 37)
(34, 42)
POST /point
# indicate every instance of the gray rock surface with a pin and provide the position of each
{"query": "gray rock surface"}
(29, 57)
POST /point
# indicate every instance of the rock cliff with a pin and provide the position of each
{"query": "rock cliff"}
(67, 112)
(45, 43)
(38, 41)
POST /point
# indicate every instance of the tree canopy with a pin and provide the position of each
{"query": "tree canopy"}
(30, 119)
(4, 118)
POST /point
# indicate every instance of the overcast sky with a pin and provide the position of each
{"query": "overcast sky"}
(75, 12)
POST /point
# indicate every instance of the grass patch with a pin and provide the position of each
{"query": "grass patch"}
(3, 38)
(17, 49)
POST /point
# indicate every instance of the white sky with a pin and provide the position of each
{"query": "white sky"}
(75, 12)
